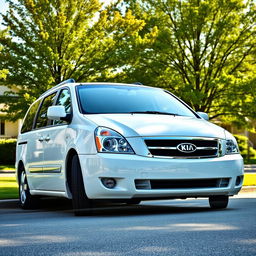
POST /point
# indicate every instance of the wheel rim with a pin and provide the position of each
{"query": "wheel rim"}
(23, 187)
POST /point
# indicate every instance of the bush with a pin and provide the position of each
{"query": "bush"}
(243, 147)
(7, 151)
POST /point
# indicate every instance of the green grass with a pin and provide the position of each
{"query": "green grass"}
(8, 188)
(249, 179)
(7, 167)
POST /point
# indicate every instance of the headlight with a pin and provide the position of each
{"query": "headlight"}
(109, 141)
(231, 147)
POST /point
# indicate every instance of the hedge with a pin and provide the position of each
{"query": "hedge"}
(7, 151)
(243, 146)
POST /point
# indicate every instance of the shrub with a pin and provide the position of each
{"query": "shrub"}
(243, 147)
(7, 151)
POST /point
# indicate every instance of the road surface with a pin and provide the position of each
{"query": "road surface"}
(180, 227)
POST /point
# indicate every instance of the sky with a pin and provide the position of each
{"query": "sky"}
(3, 9)
(3, 6)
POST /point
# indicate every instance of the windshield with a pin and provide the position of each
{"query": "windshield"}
(104, 99)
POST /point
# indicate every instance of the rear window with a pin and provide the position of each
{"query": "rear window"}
(29, 118)
(103, 99)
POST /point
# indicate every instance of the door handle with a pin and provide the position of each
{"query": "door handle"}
(47, 138)
(41, 139)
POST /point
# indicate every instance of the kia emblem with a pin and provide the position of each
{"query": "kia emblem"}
(186, 147)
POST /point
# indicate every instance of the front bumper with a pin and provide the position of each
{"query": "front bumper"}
(125, 169)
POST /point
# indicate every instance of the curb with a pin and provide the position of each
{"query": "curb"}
(7, 171)
(248, 189)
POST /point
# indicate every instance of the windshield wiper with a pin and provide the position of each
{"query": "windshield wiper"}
(154, 112)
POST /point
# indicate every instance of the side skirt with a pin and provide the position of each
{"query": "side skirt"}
(49, 193)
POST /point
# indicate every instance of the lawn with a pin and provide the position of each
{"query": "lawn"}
(7, 167)
(249, 179)
(8, 188)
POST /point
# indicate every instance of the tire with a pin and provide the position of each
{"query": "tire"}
(218, 202)
(134, 201)
(26, 200)
(81, 204)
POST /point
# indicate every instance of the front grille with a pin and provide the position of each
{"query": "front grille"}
(202, 148)
(182, 184)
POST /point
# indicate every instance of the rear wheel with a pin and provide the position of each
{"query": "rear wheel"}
(27, 201)
(81, 204)
(218, 202)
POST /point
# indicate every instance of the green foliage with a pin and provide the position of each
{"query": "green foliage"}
(50, 41)
(243, 147)
(202, 51)
(7, 151)
(4, 71)
(7, 167)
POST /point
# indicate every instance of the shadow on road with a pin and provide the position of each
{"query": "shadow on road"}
(112, 210)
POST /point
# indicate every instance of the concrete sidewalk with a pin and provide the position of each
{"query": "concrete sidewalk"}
(7, 171)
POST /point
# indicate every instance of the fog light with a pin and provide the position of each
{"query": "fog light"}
(239, 180)
(108, 182)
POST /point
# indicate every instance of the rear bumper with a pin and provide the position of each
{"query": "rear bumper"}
(125, 169)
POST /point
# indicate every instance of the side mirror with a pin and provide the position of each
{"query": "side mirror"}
(56, 113)
(203, 115)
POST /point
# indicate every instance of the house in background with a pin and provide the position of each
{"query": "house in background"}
(8, 129)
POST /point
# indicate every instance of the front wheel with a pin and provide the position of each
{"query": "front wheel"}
(27, 201)
(133, 201)
(81, 204)
(218, 202)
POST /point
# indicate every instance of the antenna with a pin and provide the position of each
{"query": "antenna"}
(138, 83)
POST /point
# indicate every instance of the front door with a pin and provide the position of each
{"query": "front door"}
(55, 148)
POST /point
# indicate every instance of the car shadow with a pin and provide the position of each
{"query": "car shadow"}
(57, 205)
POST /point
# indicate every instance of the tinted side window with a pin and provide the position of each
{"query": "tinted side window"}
(29, 119)
(64, 100)
(42, 119)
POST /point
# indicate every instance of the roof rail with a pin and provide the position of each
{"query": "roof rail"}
(138, 83)
(71, 80)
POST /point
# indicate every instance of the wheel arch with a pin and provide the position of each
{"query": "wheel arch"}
(71, 153)
(20, 168)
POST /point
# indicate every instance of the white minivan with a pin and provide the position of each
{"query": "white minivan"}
(125, 142)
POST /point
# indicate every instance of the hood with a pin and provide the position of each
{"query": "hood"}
(148, 125)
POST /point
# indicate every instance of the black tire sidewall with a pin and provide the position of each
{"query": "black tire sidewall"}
(81, 204)
(218, 202)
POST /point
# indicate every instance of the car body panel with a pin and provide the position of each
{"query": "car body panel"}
(125, 169)
(44, 154)
(130, 125)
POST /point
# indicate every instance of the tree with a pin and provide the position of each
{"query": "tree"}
(202, 51)
(50, 41)
(4, 71)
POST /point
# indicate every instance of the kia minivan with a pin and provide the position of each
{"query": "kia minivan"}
(125, 142)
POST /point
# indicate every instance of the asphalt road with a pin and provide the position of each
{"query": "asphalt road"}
(153, 228)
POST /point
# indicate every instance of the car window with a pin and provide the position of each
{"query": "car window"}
(103, 99)
(64, 99)
(29, 119)
(42, 119)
